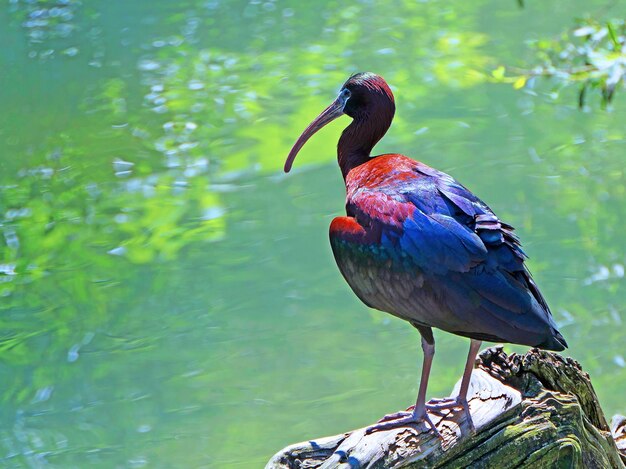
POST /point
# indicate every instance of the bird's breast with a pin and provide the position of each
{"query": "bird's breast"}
(380, 278)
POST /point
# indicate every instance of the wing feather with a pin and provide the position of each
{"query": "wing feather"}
(442, 227)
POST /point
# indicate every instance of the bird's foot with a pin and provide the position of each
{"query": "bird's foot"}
(397, 415)
(437, 406)
(403, 419)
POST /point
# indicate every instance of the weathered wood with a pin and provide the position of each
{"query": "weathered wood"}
(532, 410)
(618, 429)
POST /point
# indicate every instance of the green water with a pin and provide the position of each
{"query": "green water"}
(168, 297)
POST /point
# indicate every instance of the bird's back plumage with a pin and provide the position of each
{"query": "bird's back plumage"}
(419, 245)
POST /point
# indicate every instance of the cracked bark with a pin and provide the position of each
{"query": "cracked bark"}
(532, 410)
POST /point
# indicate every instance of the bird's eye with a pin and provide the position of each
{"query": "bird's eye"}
(344, 95)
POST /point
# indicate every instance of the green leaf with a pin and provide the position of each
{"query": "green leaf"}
(613, 35)
(519, 83)
(498, 73)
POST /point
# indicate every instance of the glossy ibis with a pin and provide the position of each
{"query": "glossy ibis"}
(417, 244)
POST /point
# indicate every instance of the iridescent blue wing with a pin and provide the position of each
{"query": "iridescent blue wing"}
(473, 259)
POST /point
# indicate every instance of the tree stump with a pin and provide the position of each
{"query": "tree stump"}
(529, 411)
(618, 429)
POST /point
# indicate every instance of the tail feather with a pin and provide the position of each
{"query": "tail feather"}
(556, 342)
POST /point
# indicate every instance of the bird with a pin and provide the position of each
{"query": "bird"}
(417, 244)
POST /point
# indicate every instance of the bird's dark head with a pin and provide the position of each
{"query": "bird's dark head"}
(368, 93)
(361, 96)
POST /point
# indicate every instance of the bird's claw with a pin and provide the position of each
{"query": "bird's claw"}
(394, 416)
(442, 400)
(403, 419)
(398, 415)
(437, 406)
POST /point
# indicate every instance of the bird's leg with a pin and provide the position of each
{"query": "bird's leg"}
(418, 413)
(429, 353)
(461, 398)
(469, 366)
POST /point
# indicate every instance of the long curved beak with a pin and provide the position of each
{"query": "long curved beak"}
(328, 115)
